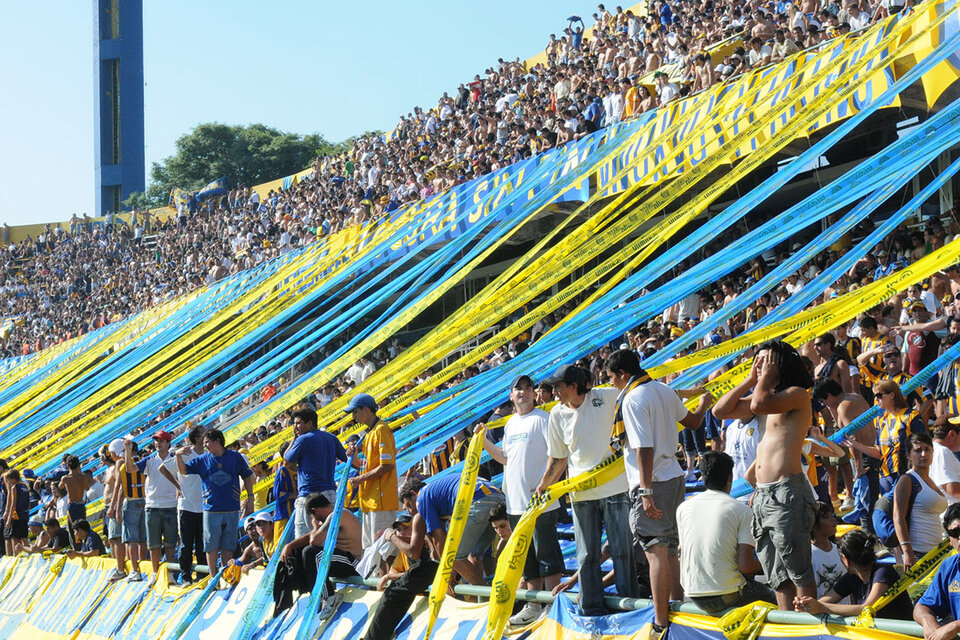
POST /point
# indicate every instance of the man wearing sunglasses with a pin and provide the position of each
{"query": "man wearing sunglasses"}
(941, 600)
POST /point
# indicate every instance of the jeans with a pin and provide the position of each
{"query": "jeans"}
(191, 540)
(220, 530)
(398, 597)
(589, 518)
(301, 519)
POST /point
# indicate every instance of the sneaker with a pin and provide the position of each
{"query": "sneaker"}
(530, 613)
(848, 504)
(330, 605)
(184, 580)
(117, 575)
(691, 476)
(135, 576)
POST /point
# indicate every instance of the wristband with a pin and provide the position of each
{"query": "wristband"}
(905, 542)
(642, 491)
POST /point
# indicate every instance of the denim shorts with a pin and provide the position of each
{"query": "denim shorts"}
(161, 527)
(477, 533)
(220, 530)
(114, 529)
(134, 528)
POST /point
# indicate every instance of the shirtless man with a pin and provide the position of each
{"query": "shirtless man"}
(783, 505)
(845, 407)
(302, 555)
(112, 454)
(75, 485)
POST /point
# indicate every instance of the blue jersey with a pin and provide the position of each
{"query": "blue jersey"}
(316, 454)
(220, 477)
(943, 594)
(435, 501)
(284, 493)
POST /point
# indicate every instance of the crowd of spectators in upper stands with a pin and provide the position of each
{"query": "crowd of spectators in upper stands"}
(62, 284)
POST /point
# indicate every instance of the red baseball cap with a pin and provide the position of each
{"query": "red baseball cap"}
(163, 435)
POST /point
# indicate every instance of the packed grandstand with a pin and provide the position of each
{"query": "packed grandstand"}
(457, 357)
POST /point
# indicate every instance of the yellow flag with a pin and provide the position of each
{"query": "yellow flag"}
(458, 521)
(503, 591)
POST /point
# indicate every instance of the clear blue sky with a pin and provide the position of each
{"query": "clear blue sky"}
(334, 68)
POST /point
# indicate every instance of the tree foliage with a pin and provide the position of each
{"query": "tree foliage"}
(245, 155)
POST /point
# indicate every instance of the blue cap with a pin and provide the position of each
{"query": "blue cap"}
(359, 401)
(28, 474)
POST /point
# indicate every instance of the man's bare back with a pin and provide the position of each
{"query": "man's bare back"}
(349, 536)
(75, 485)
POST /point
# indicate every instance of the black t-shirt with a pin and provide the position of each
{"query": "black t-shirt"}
(851, 585)
(60, 540)
(93, 543)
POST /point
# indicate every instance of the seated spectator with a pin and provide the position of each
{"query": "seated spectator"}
(409, 535)
(39, 535)
(938, 609)
(262, 543)
(864, 582)
(717, 558)
(826, 557)
(299, 559)
(91, 544)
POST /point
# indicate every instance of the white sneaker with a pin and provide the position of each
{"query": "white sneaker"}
(117, 575)
(848, 504)
(530, 613)
(135, 576)
(330, 605)
(691, 476)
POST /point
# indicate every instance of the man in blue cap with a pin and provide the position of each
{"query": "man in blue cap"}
(313, 455)
(378, 480)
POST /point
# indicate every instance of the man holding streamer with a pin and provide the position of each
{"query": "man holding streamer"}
(649, 411)
(378, 482)
(523, 454)
(578, 439)
(784, 505)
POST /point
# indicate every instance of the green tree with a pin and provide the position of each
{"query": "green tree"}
(245, 155)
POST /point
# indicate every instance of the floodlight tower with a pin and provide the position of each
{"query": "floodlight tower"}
(118, 108)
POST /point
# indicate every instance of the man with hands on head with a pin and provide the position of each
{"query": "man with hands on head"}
(784, 506)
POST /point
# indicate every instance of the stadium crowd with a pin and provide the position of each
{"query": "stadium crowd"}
(66, 282)
(897, 480)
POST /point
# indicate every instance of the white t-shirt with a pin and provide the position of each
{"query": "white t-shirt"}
(742, 440)
(650, 415)
(582, 435)
(525, 446)
(191, 487)
(712, 525)
(827, 567)
(158, 491)
(944, 468)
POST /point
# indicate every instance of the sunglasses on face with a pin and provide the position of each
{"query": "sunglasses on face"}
(954, 533)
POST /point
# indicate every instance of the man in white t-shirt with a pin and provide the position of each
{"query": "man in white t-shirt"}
(523, 454)
(945, 468)
(189, 507)
(161, 500)
(650, 412)
(578, 439)
(716, 536)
